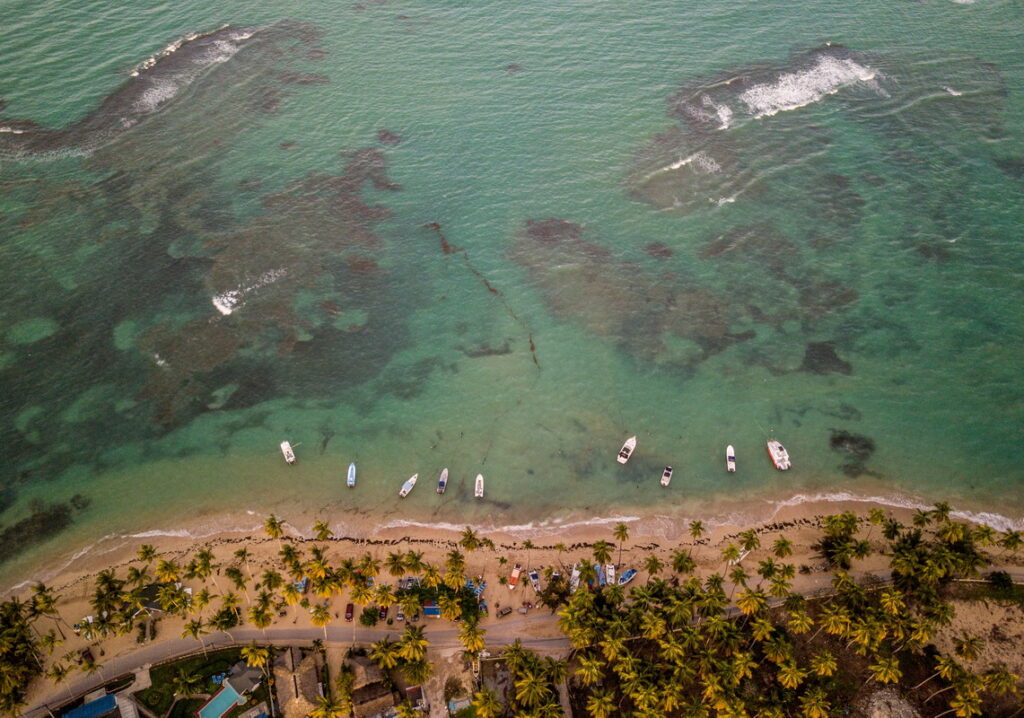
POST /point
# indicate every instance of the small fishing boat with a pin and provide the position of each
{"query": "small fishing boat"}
(599, 572)
(627, 576)
(730, 459)
(574, 579)
(442, 482)
(627, 450)
(609, 572)
(286, 449)
(778, 454)
(351, 481)
(535, 580)
(479, 490)
(407, 486)
(513, 580)
(666, 476)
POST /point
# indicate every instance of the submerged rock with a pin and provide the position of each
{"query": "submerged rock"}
(821, 358)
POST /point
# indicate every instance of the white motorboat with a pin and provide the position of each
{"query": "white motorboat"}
(286, 449)
(609, 573)
(574, 579)
(442, 482)
(627, 450)
(666, 476)
(627, 576)
(407, 486)
(730, 459)
(778, 454)
(535, 580)
(351, 480)
(479, 490)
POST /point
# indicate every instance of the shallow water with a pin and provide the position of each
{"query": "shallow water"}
(503, 240)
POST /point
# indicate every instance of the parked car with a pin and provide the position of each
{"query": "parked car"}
(400, 614)
(504, 612)
(383, 613)
(349, 611)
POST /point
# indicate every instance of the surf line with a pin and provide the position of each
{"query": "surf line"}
(448, 248)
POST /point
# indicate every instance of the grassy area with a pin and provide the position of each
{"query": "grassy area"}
(186, 708)
(159, 697)
(993, 590)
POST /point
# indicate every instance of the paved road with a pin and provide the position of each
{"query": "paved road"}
(498, 636)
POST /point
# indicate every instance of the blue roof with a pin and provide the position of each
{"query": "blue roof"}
(94, 709)
(431, 611)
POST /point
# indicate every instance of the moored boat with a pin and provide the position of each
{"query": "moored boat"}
(442, 482)
(730, 459)
(286, 449)
(351, 480)
(513, 580)
(778, 454)
(666, 476)
(627, 450)
(574, 578)
(627, 576)
(535, 580)
(479, 490)
(407, 486)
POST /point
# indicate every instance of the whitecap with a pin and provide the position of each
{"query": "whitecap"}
(797, 89)
(953, 92)
(230, 300)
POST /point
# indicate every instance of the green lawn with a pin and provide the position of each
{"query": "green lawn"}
(159, 697)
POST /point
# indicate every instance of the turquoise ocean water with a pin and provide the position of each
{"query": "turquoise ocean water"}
(501, 238)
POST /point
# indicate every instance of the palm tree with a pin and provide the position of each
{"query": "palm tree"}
(824, 664)
(886, 670)
(414, 561)
(451, 607)
(601, 704)
(395, 564)
(469, 540)
(968, 647)
(235, 575)
(167, 571)
(621, 534)
(814, 704)
(322, 531)
(320, 616)
(271, 579)
(790, 675)
(405, 709)
(530, 689)
(385, 653)
(590, 670)
(418, 671)
(946, 667)
(328, 707)
(696, 529)
(602, 551)
(682, 562)
(185, 682)
(292, 596)
(44, 603)
(653, 566)
(146, 553)
(472, 637)
(413, 646)
(205, 567)
(256, 656)
(242, 555)
(782, 547)
(486, 704)
(274, 527)
(196, 629)
(259, 616)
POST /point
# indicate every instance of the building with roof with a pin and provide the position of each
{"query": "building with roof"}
(242, 680)
(371, 697)
(297, 682)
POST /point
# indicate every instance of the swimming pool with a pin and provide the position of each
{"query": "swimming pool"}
(221, 703)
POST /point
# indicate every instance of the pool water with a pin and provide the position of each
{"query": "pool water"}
(221, 703)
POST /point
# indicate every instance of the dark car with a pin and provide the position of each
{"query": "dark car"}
(349, 610)
(504, 612)
(383, 613)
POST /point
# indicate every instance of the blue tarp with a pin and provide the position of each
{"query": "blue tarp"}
(94, 709)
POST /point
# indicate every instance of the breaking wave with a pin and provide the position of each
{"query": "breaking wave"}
(796, 89)
(232, 299)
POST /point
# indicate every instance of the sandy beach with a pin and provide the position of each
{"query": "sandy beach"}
(799, 522)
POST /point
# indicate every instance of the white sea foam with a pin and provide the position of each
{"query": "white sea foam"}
(797, 89)
(12, 131)
(230, 300)
(723, 200)
(953, 92)
(723, 112)
(531, 529)
(700, 160)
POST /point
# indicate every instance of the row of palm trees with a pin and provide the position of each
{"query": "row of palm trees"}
(686, 646)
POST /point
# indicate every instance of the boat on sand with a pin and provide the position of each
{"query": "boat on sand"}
(407, 486)
(627, 450)
(479, 490)
(574, 578)
(730, 459)
(513, 580)
(609, 572)
(535, 580)
(442, 482)
(351, 480)
(666, 476)
(286, 449)
(778, 454)
(627, 576)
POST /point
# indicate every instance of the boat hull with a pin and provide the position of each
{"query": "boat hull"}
(407, 487)
(479, 490)
(351, 480)
(442, 482)
(289, 454)
(730, 459)
(627, 450)
(778, 455)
